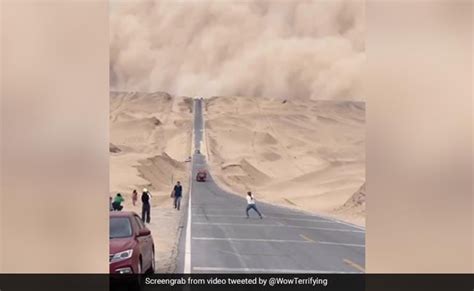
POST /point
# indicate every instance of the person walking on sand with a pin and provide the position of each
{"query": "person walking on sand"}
(117, 204)
(146, 208)
(134, 197)
(251, 205)
(177, 194)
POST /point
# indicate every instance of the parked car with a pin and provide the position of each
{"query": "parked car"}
(201, 175)
(131, 246)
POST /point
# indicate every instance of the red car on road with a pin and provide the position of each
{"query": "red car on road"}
(201, 175)
(131, 246)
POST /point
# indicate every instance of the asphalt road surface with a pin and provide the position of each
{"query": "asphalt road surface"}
(218, 238)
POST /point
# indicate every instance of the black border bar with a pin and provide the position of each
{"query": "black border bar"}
(248, 282)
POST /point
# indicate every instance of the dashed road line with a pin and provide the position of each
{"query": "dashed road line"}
(354, 265)
(266, 216)
(341, 244)
(277, 225)
(250, 239)
(307, 238)
(331, 243)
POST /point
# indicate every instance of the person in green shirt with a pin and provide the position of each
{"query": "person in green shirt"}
(117, 204)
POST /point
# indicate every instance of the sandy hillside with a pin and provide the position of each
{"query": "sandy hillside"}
(150, 139)
(304, 154)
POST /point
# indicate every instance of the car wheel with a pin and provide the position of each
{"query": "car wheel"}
(139, 266)
(153, 262)
(136, 284)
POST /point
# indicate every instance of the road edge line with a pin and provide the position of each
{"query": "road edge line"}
(187, 242)
(187, 248)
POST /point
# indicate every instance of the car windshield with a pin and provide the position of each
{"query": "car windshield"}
(120, 227)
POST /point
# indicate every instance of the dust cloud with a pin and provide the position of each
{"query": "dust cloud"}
(279, 49)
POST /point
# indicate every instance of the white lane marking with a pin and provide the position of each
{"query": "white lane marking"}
(251, 239)
(303, 215)
(187, 248)
(278, 241)
(341, 244)
(267, 216)
(302, 271)
(276, 225)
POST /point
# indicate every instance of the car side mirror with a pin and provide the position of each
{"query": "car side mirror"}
(143, 232)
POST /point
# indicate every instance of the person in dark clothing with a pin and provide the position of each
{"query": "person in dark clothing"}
(177, 194)
(146, 208)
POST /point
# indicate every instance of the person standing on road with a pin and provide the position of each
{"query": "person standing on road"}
(177, 194)
(134, 197)
(146, 207)
(117, 204)
(251, 205)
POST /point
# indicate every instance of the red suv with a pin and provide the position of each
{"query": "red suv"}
(201, 176)
(131, 246)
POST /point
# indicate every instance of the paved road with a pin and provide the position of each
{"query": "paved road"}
(219, 239)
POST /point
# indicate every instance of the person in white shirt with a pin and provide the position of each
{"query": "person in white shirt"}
(251, 205)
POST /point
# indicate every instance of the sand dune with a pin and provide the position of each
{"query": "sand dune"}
(354, 207)
(162, 170)
(146, 128)
(150, 138)
(299, 153)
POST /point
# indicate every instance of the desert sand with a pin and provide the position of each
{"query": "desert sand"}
(302, 154)
(150, 140)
